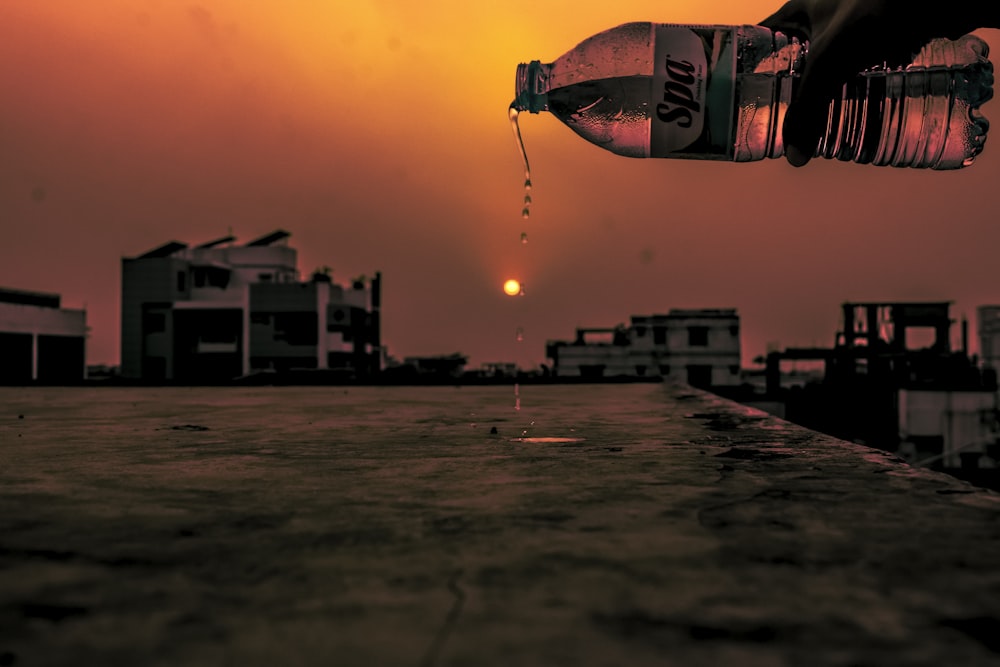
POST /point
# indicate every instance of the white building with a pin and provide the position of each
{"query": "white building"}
(39, 340)
(699, 346)
(220, 310)
(989, 336)
(952, 429)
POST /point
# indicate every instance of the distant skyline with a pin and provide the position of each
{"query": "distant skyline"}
(376, 133)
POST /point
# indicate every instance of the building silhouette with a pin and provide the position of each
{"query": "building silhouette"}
(39, 340)
(989, 335)
(220, 311)
(881, 386)
(697, 346)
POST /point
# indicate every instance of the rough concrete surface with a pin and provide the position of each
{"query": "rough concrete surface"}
(656, 526)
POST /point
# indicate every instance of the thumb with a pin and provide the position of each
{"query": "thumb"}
(790, 19)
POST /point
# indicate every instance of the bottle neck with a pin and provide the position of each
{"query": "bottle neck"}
(531, 88)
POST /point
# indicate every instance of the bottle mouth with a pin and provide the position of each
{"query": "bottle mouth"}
(531, 87)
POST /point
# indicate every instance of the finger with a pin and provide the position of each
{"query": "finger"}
(822, 80)
(803, 129)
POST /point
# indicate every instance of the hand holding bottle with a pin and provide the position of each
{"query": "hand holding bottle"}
(847, 36)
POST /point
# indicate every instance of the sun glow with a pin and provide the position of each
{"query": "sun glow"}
(512, 287)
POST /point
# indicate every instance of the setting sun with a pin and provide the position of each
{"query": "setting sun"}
(512, 287)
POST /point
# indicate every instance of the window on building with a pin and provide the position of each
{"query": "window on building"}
(734, 330)
(640, 332)
(734, 370)
(296, 328)
(659, 335)
(154, 368)
(265, 277)
(283, 364)
(210, 276)
(665, 370)
(698, 336)
(640, 370)
(261, 363)
(211, 336)
(15, 358)
(182, 281)
(340, 360)
(154, 323)
(699, 376)
(260, 318)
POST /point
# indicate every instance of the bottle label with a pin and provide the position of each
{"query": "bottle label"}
(692, 96)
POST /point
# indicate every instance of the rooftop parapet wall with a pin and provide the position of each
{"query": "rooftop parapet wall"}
(24, 318)
(665, 526)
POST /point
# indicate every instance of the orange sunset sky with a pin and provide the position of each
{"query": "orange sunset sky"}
(376, 132)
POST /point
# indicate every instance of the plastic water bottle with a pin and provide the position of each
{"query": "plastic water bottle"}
(720, 93)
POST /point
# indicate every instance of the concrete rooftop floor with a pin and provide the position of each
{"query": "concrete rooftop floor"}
(733, 538)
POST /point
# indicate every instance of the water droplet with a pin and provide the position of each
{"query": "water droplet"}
(512, 113)
(527, 200)
(524, 238)
(525, 213)
(519, 334)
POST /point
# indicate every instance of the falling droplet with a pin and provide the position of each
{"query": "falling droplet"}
(520, 334)
(525, 212)
(524, 238)
(512, 112)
